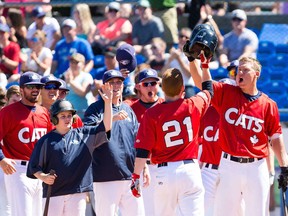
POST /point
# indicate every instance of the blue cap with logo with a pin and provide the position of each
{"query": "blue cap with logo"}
(110, 74)
(233, 64)
(30, 78)
(50, 79)
(148, 73)
(63, 85)
(126, 57)
(38, 12)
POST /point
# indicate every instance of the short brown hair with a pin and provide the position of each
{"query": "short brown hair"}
(172, 82)
(14, 89)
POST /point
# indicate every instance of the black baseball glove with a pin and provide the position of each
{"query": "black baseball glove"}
(186, 50)
(283, 179)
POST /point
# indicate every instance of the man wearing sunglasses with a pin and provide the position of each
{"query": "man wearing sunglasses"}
(147, 87)
(240, 41)
(49, 91)
(22, 124)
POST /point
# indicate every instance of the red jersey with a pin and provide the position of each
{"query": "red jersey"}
(139, 108)
(169, 131)
(12, 52)
(209, 131)
(21, 128)
(244, 126)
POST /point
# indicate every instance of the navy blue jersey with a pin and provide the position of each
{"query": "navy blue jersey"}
(115, 160)
(70, 155)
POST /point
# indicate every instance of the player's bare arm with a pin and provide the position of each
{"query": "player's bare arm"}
(107, 95)
(7, 166)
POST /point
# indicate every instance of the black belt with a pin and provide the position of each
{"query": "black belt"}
(24, 163)
(213, 166)
(241, 159)
(184, 161)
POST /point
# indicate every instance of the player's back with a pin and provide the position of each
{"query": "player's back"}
(171, 130)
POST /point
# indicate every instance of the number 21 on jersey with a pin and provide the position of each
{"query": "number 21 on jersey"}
(171, 137)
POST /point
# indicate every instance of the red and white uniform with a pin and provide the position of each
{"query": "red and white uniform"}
(147, 192)
(20, 129)
(244, 128)
(170, 132)
(139, 109)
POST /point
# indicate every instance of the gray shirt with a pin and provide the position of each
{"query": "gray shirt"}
(234, 45)
(145, 33)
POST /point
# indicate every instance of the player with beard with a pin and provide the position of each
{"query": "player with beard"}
(22, 124)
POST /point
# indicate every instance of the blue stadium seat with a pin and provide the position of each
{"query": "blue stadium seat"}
(266, 49)
(282, 49)
(99, 61)
(280, 61)
(278, 74)
(219, 73)
(265, 74)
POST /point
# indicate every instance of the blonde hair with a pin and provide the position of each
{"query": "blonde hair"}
(172, 82)
(85, 17)
(255, 63)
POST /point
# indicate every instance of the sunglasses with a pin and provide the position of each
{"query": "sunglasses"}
(30, 87)
(183, 36)
(112, 11)
(51, 86)
(146, 84)
(237, 19)
(233, 72)
(35, 39)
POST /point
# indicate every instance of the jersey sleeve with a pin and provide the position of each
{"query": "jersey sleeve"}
(273, 127)
(94, 114)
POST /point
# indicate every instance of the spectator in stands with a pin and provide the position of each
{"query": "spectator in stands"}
(177, 59)
(69, 45)
(110, 63)
(2, 18)
(148, 23)
(18, 29)
(49, 25)
(9, 54)
(85, 25)
(79, 83)
(240, 42)
(38, 58)
(13, 94)
(159, 56)
(111, 30)
(167, 11)
(2, 104)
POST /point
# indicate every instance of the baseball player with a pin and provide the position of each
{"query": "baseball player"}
(248, 118)
(22, 124)
(113, 162)
(169, 132)
(147, 88)
(69, 152)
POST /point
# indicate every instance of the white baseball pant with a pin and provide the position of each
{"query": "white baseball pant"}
(24, 194)
(116, 195)
(247, 181)
(67, 205)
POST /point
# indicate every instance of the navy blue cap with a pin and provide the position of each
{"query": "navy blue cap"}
(38, 12)
(110, 74)
(126, 57)
(4, 28)
(30, 78)
(233, 64)
(148, 73)
(63, 85)
(50, 79)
